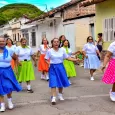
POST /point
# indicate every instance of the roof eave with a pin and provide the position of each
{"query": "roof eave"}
(55, 10)
(91, 2)
(79, 17)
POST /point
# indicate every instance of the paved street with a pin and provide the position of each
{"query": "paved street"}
(84, 97)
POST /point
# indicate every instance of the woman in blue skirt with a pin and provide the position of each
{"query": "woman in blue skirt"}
(8, 82)
(91, 60)
(57, 73)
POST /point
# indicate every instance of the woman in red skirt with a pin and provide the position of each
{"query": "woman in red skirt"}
(42, 65)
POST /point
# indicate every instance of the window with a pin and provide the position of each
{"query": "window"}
(23, 35)
(92, 31)
(27, 37)
(43, 34)
(33, 36)
(109, 29)
(18, 37)
(15, 37)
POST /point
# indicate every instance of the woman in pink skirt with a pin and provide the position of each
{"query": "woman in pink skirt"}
(109, 74)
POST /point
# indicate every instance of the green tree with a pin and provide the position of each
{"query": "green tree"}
(3, 20)
(16, 10)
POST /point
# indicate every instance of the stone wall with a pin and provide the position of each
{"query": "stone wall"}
(76, 11)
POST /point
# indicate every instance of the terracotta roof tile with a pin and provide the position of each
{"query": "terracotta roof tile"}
(90, 2)
(72, 13)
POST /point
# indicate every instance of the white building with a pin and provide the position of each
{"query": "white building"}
(75, 22)
(36, 30)
(12, 28)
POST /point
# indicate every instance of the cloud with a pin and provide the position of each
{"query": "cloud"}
(3, 3)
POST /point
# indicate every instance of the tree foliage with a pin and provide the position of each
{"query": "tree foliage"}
(3, 20)
(16, 10)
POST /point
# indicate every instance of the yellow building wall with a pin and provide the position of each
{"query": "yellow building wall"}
(104, 10)
(82, 31)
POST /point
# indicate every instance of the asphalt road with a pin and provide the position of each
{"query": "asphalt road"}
(83, 97)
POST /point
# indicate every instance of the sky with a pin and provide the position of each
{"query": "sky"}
(39, 3)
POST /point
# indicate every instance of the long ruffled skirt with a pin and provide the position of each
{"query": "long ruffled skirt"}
(109, 75)
(70, 68)
(92, 62)
(42, 65)
(57, 76)
(25, 72)
(8, 82)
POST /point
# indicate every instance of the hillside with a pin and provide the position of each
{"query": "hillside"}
(11, 11)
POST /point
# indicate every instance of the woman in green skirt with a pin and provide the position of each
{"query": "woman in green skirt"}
(69, 65)
(25, 67)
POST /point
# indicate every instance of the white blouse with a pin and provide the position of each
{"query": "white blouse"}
(112, 49)
(69, 51)
(24, 53)
(13, 48)
(42, 49)
(90, 48)
(7, 61)
(56, 57)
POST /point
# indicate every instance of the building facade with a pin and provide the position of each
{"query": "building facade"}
(12, 28)
(105, 19)
(70, 20)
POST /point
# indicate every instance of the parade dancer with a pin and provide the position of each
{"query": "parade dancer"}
(69, 65)
(91, 60)
(8, 82)
(109, 74)
(57, 73)
(11, 46)
(25, 67)
(42, 65)
(61, 39)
